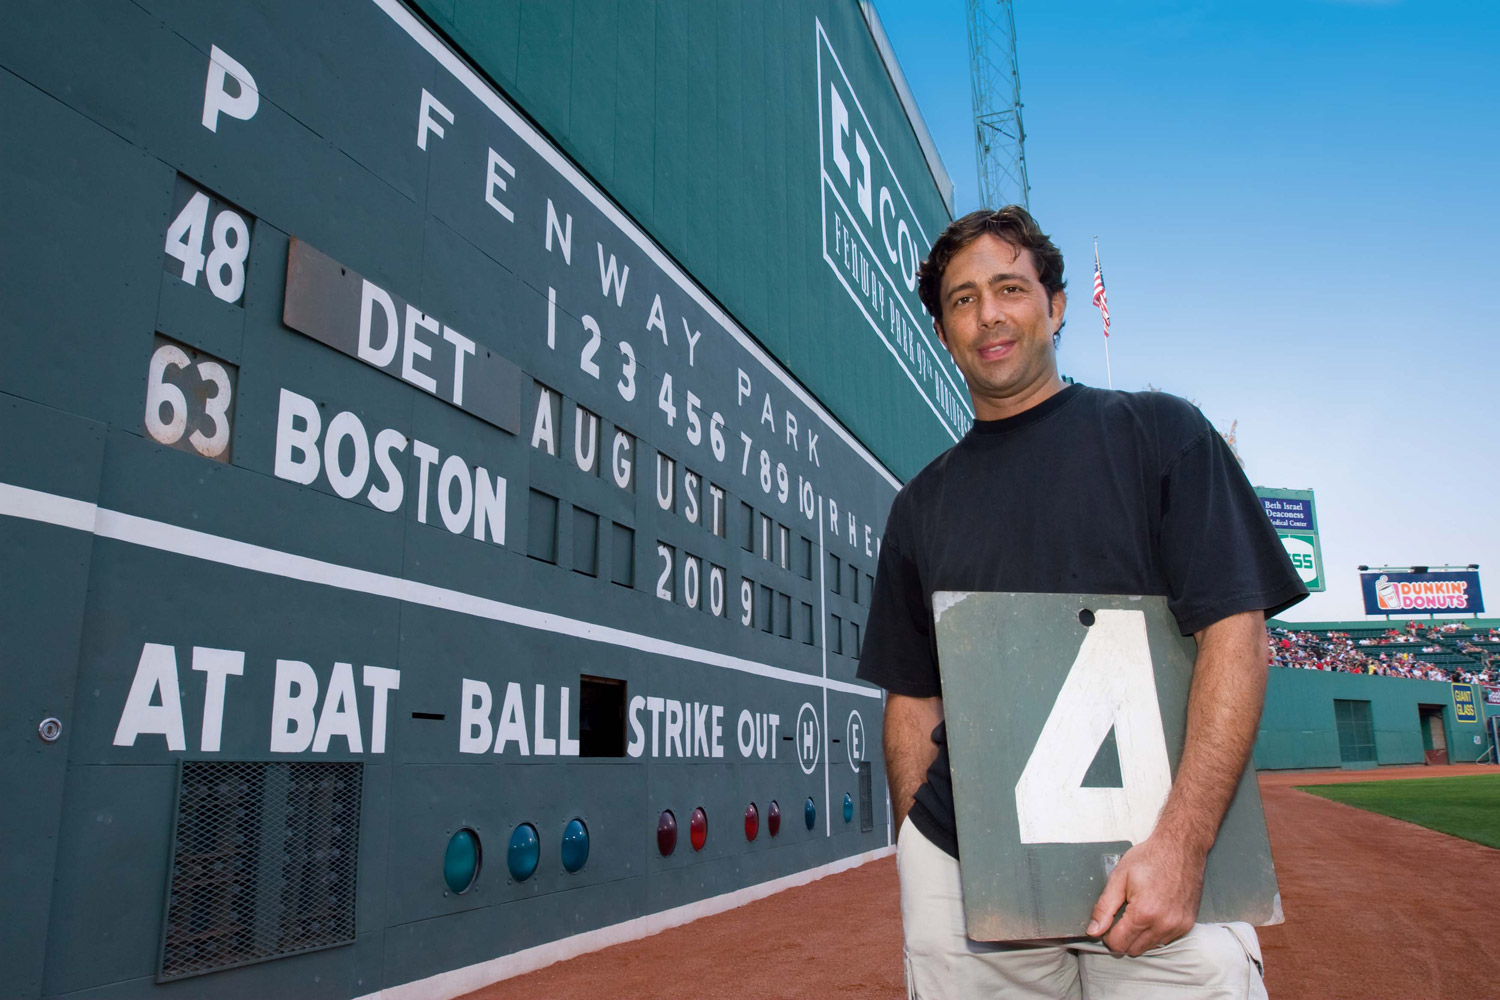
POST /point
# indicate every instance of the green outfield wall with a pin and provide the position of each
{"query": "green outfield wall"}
(447, 447)
(764, 147)
(1300, 727)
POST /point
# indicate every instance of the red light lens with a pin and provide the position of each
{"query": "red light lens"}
(698, 828)
(773, 818)
(752, 821)
(666, 833)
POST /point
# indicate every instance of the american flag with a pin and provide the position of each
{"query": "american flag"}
(1099, 299)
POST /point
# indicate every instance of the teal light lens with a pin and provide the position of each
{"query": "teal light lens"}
(848, 808)
(575, 845)
(809, 812)
(525, 852)
(461, 861)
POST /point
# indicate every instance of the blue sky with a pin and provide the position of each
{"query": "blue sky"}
(1297, 217)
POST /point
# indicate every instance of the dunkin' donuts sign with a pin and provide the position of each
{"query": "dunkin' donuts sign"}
(1424, 593)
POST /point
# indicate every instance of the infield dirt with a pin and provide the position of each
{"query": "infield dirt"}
(1376, 908)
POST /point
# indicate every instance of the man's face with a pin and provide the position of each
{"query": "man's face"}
(997, 322)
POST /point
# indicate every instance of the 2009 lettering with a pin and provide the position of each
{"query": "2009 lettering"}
(692, 580)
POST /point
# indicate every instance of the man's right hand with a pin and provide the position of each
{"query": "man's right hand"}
(909, 750)
(1160, 883)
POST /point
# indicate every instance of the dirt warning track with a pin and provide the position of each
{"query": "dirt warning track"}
(1377, 909)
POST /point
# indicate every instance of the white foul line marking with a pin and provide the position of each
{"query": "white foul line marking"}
(33, 505)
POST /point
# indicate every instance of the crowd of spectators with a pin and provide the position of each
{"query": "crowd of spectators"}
(1393, 653)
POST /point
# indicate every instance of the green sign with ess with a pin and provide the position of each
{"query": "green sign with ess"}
(1296, 522)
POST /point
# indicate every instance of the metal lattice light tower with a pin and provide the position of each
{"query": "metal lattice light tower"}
(999, 137)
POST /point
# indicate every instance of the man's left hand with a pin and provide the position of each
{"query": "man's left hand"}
(1159, 882)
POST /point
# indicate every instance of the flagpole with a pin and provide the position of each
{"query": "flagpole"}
(1107, 372)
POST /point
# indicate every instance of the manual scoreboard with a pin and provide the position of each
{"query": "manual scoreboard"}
(378, 496)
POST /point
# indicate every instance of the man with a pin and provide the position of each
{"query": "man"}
(1069, 489)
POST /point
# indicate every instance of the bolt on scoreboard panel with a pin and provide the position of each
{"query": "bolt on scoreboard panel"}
(403, 548)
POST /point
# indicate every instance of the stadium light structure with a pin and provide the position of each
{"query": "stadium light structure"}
(995, 77)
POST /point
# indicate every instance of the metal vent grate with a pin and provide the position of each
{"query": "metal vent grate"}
(264, 861)
(866, 791)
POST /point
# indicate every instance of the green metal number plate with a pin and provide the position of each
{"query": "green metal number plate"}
(1065, 716)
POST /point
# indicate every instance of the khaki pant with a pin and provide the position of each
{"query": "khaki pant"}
(1212, 962)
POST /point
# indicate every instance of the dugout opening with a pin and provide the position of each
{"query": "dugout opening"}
(1434, 736)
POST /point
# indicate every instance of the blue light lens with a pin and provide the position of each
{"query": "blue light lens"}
(461, 861)
(525, 852)
(809, 812)
(848, 808)
(575, 845)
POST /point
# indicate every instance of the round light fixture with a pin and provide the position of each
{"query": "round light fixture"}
(698, 828)
(525, 851)
(461, 861)
(575, 845)
(666, 833)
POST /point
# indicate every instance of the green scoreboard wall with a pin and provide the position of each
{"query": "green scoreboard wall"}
(478, 419)
(763, 146)
(1299, 728)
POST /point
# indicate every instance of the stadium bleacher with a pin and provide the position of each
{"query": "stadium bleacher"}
(1445, 651)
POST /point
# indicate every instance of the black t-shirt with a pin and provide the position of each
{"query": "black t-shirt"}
(1089, 492)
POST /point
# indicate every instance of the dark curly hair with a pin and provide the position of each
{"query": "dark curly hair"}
(1014, 225)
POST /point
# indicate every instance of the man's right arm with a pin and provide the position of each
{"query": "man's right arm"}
(909, 750)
